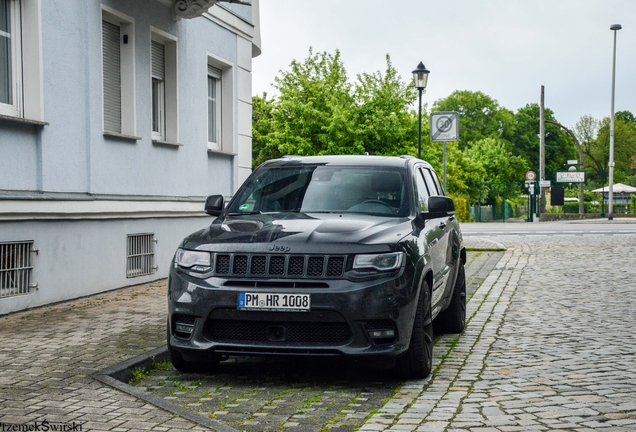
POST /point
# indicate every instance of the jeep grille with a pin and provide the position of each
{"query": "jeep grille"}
(292, 266)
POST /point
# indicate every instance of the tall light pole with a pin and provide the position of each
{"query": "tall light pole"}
(610, 201)
(420, 77)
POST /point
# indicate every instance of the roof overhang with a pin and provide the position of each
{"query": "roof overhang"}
(196, 8)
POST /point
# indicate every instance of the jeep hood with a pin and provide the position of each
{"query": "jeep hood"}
(293, 228)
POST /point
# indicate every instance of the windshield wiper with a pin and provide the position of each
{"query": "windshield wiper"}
(244, 213)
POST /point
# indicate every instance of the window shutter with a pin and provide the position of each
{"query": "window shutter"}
(215, 72)
(112, 77)
(158, 60)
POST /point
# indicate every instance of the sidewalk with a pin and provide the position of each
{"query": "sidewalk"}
(48, 354)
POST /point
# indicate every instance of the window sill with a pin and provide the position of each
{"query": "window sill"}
(122, 136)
(220, 152)
(23, 120)
(167, 143)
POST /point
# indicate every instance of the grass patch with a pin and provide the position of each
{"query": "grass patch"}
(139, 374)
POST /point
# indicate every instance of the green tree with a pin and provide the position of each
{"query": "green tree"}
(626, 116)
(586, 130)
(624, 147)
(499, 163)
(480, 116)
(314, 113)
(384, 115)
(262, 127)
(559, 146)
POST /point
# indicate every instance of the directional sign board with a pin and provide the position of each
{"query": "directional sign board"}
(570, 177)
(444, 126)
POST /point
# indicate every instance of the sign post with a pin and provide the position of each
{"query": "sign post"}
(444, 127)
(531, 178)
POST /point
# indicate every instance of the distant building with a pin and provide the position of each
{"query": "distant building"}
(621, 193)
(117, 119)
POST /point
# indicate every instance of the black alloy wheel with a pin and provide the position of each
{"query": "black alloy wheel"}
(417, 362)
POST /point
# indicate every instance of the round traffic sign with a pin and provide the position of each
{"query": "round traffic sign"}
(444, 124)
(531, 176)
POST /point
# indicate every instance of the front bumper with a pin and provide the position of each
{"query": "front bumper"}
(362, 318)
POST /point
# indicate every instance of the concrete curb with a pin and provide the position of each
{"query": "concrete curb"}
(481, 243)
(118, 375)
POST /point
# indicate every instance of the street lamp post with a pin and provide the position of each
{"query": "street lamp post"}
(602, 193)
(610, 200)
(420, 77)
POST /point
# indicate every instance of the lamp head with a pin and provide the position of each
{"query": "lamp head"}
(616, 27)
(420, 76)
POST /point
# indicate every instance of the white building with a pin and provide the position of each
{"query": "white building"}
(117, 119)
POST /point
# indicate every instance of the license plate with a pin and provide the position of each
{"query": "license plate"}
(276, 302)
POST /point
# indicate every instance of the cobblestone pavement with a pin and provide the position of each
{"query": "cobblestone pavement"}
(550, 346)
(48, 354)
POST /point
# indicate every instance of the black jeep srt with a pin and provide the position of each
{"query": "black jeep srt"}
(355, 256)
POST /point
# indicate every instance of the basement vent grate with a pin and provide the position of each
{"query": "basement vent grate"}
(140, 255)
(15, 268)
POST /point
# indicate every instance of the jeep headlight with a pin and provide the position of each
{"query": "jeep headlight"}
(196, 260)
(381, 262)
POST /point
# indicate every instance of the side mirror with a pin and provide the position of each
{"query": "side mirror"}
(439, 206)
(214, 205)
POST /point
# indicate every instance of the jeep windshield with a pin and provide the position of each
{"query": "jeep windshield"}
(376, 191)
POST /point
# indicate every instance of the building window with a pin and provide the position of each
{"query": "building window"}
(112, 77)
(158, 91)
(214, 108)
(10, 58)
(140, 255)
(21, 81)
(118, 72)
(15, 268)
(221, 104)
(163, 77)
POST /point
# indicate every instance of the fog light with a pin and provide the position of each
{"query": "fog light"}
(382, 334)
(183, 328)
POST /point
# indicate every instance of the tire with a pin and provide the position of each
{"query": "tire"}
(417, 362)
(453, 319)
(207, 365)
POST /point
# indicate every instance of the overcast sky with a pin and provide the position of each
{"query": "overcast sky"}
(505, 48)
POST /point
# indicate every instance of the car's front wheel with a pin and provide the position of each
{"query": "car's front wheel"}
(417, 362)
(207, 365)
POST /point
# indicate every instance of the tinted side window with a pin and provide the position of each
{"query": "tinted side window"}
(432, 182)
(422, 191)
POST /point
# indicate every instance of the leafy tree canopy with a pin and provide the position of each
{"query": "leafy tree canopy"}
(594, 137)
(559, 146)
(320, 111)
(383, 112)
(480, 116)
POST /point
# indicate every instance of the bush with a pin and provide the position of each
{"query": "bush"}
(462, 210)
(570, 207)
(632, 205)
(621, 208)
(588, 207)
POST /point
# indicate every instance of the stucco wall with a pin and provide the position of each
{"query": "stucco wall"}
(79, 258)
(72, 155)
(78, 193)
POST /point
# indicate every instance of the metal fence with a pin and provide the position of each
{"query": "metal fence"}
(140, 255)
(15, 268)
